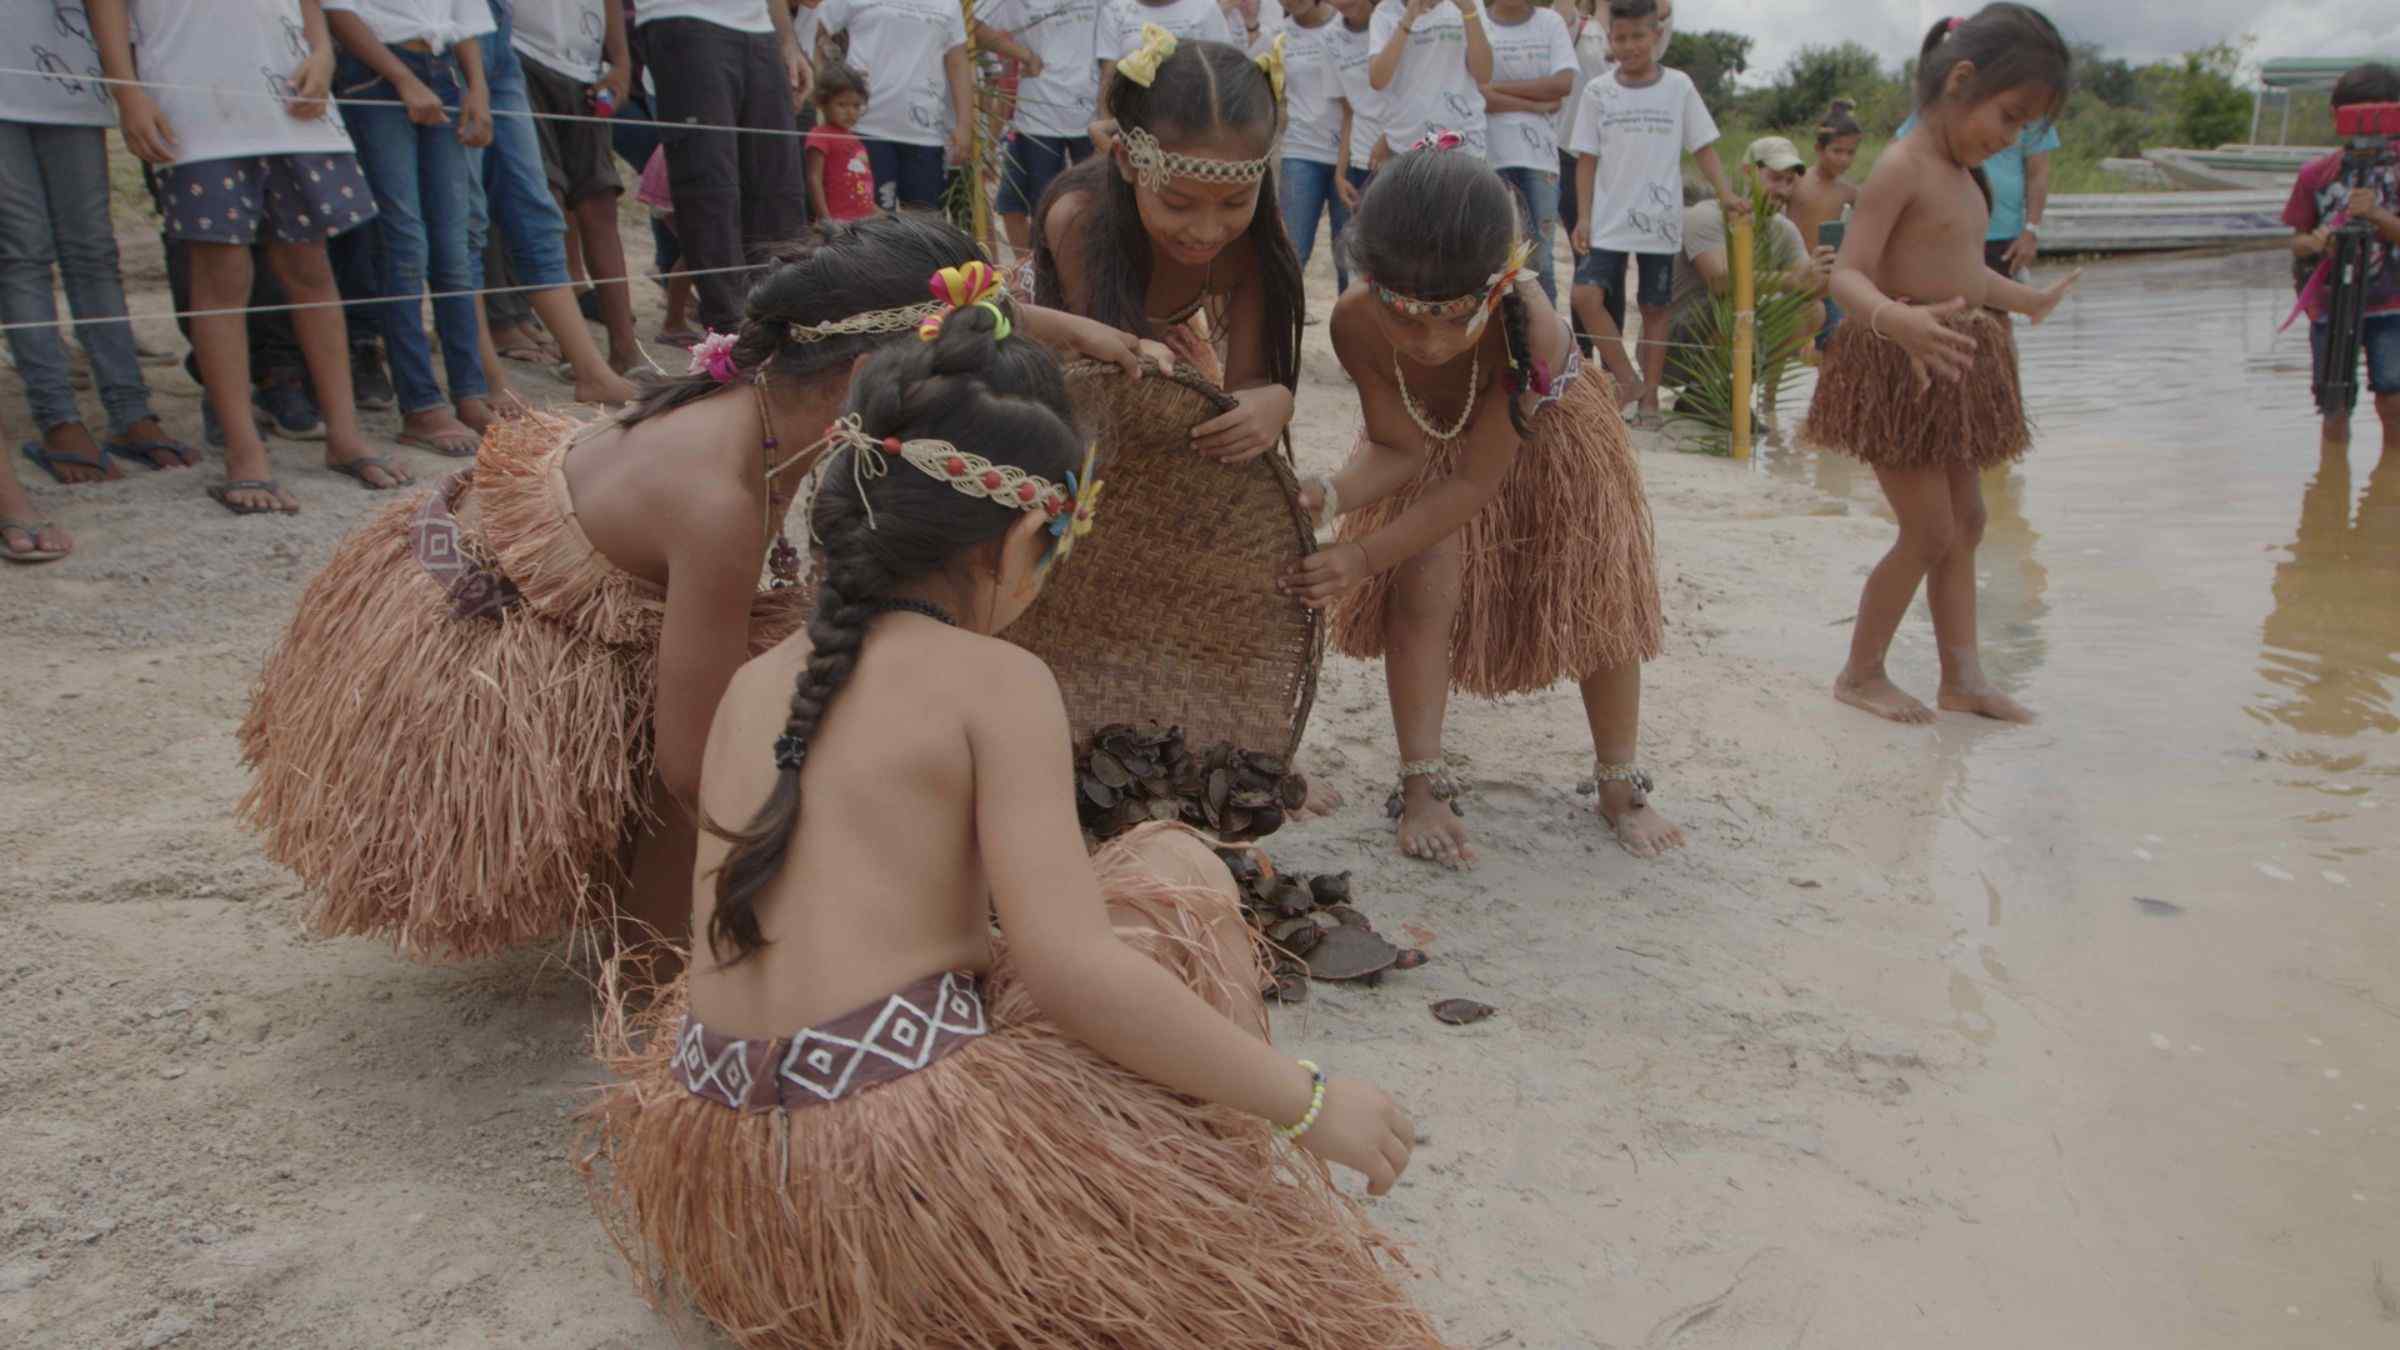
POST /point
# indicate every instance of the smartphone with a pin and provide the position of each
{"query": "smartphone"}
(1829, 234)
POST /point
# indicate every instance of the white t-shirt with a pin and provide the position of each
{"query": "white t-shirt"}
(1590, 39)
(1061, 100)
(236, 50)
(1312, 91)
(900, 45)
(567, 36)
(441, 24)
(742, 16)
(1432, 87)
(1351, 54)
(32, 37)
(1117, 32)
(1532, 50)
(1641, 136)
(806, 20)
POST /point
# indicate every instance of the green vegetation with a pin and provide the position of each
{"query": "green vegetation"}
(1705, 371)
(2117, 109)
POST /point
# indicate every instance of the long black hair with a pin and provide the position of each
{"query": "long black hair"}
(2011, 46)
(1005, 398)
(1840, 120)
(1202, 89)
(1437, 224)
(837, 272)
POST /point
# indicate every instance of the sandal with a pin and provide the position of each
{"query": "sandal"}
(144, 453)
(49, 461)
(460, 444)
(32, 552)
(222, 494)
(357, 469)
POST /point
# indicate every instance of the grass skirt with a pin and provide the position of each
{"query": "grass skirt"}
(460, 786)
(1868, 405)
(1558, 576)
(1022, 1192)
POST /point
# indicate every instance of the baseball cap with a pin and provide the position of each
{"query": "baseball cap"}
(1774, 152)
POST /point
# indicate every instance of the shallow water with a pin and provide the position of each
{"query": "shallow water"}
(2172, 900)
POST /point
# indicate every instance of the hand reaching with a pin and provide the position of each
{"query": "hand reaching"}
(1362, 1129)
(311, 81)
(1327, 574)
(2052, 294)
(1247, 432)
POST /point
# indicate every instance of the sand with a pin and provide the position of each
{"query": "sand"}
(1744, 1097)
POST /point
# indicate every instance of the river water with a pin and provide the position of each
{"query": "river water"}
(2172, 902)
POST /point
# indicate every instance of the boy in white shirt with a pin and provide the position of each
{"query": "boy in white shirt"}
(1533, 69)
(1057, 92)
(233, 172)
(1632, 130)
(914, 55)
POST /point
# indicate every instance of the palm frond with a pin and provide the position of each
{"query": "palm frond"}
(1704, 364)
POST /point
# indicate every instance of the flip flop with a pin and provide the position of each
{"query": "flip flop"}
(32, 530)
(530, 353)
(472, 444)
(48, 462)
(357, 468)
(222, 493)
(142, 454)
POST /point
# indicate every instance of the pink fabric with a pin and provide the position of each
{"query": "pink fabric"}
(653, 189)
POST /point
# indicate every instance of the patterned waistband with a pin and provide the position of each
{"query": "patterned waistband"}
(476, 589)
(886, 1040)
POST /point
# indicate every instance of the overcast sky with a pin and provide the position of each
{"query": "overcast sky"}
(2139, 30)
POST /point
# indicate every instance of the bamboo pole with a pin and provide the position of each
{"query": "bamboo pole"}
(1745, 331)
(980, 203)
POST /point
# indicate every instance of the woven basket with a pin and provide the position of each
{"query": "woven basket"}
(1168, 611)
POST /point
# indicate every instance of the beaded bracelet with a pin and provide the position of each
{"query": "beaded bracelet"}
(1316, 1104)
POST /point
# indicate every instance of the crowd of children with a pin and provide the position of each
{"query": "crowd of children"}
(849, 1110)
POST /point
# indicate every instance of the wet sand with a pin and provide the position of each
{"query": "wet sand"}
(2076, 1035)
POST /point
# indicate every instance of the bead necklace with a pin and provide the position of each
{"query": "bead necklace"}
(1424, 421)
(783, 560)
(925, 607)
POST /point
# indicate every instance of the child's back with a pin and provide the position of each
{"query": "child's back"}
(884, 882)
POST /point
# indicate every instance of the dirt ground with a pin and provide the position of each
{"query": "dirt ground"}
(1744, 1097)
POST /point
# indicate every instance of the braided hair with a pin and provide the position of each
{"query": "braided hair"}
(837, 272)
(881, 532)
(1438, 223)
(1202, 89)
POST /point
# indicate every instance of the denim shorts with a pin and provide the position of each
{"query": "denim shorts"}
(1605, 268)
(907, 175)
(2380, 343)
(1030, 165)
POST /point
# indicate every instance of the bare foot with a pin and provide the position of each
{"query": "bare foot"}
(22, 541)
(1642, 831)
(606, 388)
(1984, 702)
(75, 457)
(1323, 800)
(1878, 695)
(1430, 830)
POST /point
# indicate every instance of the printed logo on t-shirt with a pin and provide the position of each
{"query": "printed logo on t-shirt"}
(75, 63)
(1659, 214)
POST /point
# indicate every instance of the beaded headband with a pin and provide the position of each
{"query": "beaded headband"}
(1152, 166)
(898, 320)
(1071, 508)
(1478, 303)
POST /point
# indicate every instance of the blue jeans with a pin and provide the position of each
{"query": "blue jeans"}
(422, 194)
(2378, 344)
(55, 214)
(511, 181)
(1538, 190)
(907, 175)
(1307, 191)
(1032, 164)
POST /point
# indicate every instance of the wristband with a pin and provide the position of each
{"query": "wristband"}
(1330, 506)
(1316, 1105)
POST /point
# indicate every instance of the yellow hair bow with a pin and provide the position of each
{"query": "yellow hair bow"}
(1142, 67)
(1271, 61)
(965, 287)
